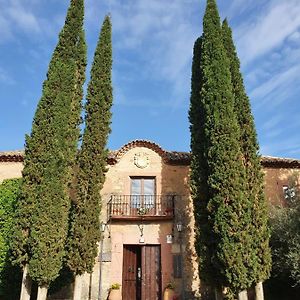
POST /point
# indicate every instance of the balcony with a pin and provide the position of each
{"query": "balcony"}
(136, 207)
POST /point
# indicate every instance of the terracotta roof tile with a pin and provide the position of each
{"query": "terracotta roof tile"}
(12, 156)
(280, 162)
(169, 157)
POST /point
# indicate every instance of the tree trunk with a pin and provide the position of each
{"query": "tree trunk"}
(259, 291)
(42, 293)
(218, 294)
(26, 285)
(243, 295)
(78, 287)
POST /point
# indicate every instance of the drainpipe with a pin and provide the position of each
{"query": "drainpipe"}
(103, 226)
(182, 275)
(100, 269)
(179, 229)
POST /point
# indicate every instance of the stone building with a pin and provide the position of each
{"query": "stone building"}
(147, 220)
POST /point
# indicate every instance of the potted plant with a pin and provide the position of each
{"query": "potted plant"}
(169, 292)
(115, 292)
(142, 211)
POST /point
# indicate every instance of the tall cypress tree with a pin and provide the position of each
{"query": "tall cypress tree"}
(50, 154)
(226, 238)
(86, 205)
(199, 167)
(260, 266)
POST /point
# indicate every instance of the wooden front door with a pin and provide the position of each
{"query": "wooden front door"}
(131, 287)
(151, 273)
(141, 272)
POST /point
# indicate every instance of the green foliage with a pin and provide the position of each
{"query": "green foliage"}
(199, 167)
(50, 156)
(115, 286)
(285, 240)
(10, 276)
(259, 253)
(224, 154)
(226, 203)
(9, 194)
(170, 286)
(23, 212)
(86, 201)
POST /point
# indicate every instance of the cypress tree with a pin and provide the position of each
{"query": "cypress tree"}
(260, 265)
(199, 167)
(225, 208)
(86, 204)
(50, 153)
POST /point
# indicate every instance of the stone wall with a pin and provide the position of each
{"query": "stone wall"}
(10, 170)
(171, 179)
(275, 179)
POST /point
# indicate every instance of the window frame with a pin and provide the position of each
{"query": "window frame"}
(142, 178)
(143, 201)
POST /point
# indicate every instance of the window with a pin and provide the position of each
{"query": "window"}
(177, 265)
(289, 193)
(142, 192)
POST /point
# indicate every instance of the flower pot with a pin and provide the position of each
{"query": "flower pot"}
(169, 294)
(115, 295)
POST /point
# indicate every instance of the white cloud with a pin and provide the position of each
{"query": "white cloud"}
(280, 81)
(22, 17)
(159, 35)
(237, 7)
(269, 29)
(27, 16)
(294, 37)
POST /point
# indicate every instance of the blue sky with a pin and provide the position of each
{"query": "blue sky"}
(152, 45)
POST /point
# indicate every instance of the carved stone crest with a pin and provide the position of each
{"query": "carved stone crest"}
(141, 160)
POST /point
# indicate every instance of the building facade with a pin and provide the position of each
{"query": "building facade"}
(147, 220)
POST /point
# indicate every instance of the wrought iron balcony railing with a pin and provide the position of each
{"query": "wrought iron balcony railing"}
(128, 206)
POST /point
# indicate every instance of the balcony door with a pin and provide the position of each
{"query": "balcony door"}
(143, 194)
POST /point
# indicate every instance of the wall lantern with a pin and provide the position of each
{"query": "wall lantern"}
(169, 239)
(179, 226)
(103, 227)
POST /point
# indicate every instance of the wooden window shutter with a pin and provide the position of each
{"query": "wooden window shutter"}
(177, 266)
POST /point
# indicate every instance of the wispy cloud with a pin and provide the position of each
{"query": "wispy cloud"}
(237, 7)
(269, 29)
(280, 80)
(5, 78)
(5, 30)
(158, 36)
(290, 146)
(274, 121)
(22, 17)
(25, 16)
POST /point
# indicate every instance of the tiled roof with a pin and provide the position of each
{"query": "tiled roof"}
(12, 156)
(169, 157)
(279, 162)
